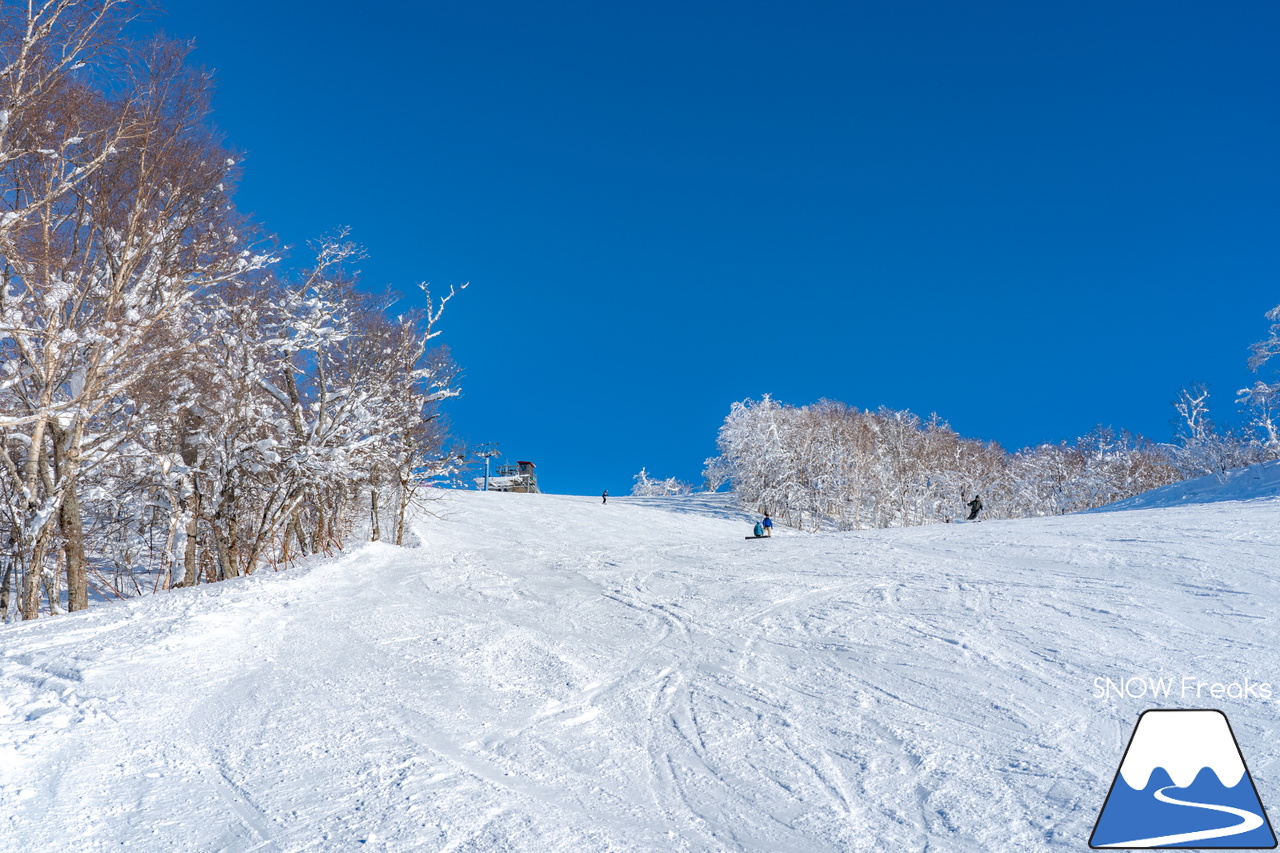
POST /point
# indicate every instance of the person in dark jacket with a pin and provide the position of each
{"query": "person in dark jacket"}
(975, 507)
(604, 498)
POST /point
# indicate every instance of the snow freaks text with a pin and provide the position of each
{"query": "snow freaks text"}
(1186, 687)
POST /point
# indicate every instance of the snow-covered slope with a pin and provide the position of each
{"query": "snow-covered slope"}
(549, 674)
(1242, 484)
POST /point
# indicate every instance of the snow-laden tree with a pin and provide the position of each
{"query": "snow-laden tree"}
(832, 465)
(1262, 397)
(647, 487)
(311, 396)
(96, 286)
(1204, 448)
(53, 124)
(715, 473)
(175, 405)
(56, 131)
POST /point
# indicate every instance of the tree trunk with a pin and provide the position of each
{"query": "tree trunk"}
(228, 547)
(226, 568)
(319, 537)
(299, 533)
(51, 592)
(29, 603)
(233, 548)
(190, 575)
(5, 587)
(285, 554)
(77, 565)
(402, 510)
(375, 532)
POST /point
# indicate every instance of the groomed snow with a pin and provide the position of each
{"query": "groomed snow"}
(549, 674)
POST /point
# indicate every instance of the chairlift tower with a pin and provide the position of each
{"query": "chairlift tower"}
(488, 451)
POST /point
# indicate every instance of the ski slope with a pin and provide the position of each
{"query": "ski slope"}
(544, 673)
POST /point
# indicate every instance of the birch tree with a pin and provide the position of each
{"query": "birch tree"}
(95, 286)
(175, 405)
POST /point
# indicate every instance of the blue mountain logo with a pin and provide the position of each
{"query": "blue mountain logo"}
(1183, 783)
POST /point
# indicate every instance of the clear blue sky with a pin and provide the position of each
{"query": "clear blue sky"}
(1030, 218)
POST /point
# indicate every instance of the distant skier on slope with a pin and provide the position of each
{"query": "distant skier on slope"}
(975, 507)
(767, 524)
(604, 498)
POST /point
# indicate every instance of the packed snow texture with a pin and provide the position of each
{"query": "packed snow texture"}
(547, 673)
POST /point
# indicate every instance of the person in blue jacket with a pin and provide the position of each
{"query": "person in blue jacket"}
(759, 530)
(768, 525)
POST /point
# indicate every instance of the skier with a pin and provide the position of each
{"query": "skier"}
(604, 499)
(975, 507)
(768, 525)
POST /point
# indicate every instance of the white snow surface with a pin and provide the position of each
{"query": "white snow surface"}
(546, 673)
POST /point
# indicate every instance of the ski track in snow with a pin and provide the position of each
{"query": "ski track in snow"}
(548, 674)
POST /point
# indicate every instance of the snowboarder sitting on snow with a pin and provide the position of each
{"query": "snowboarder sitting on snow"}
(975, 507)
(759, 530)
(768, 525)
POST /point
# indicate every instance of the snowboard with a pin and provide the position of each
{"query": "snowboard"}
(755, 537)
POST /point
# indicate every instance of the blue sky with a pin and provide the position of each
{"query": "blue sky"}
(1029, 218)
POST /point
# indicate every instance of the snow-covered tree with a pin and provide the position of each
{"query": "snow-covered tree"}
(647, 487)
(832, 465)
(1262, 397)
(1202, 447)
(97, 280)
(175, 406)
